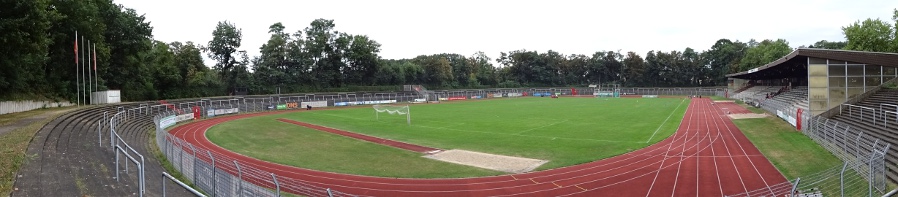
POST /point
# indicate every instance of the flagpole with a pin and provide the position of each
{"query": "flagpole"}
(89, 88)
(96, 76)
(81, 89)
(77, 66)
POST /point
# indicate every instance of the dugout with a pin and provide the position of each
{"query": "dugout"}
(832, 77)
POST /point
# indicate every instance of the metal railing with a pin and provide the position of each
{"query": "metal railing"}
(221, 175)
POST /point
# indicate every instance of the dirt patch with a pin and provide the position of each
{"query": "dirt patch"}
(746, 116)
(488, 161)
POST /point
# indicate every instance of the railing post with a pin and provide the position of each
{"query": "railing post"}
(194, 163)
(277, 186)
(99, 133)
(239, 179)
(213, 172)
(116, 164)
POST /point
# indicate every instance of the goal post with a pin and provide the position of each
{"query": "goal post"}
(393, 110)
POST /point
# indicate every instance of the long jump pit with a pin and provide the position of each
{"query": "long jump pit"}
(488, 161)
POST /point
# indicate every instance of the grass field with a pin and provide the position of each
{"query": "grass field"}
(565, 131)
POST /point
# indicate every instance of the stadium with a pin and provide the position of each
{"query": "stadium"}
(602, 140)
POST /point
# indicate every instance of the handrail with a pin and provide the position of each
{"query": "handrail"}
(140, 168)
(185, 186)
(862, 111)
(122, 141)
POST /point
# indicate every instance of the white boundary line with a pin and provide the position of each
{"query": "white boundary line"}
(728, 153)
(714, 154)
(732, 135)
(544, 126)
(661, 167)
(665, 121)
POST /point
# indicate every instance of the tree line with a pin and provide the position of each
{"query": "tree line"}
(36, 60)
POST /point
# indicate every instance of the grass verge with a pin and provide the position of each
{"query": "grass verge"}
(168, 166)
(793, 153)
(14, 143)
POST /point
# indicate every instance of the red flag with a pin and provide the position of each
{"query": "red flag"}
(76, 50)
(95, 58)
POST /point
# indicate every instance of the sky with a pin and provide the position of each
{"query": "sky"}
(406, 29)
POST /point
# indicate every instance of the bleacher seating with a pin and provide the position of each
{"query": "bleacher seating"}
(750, 92)
(796, 97)
(878, 112)
(881, 124)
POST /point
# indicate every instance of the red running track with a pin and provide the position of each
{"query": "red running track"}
(707, 156)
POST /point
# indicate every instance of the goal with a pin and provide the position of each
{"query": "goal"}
(393, 110)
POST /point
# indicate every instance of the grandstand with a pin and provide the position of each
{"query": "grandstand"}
(837, 98)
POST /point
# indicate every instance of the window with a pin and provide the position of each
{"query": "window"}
(836, 82)
(873, 70)
(855, 70)
(854, 92)
(855, 81)
(837, 95)
(818, 82)
(836, 70)
(873, 80)
(817, 70)
(817, 93)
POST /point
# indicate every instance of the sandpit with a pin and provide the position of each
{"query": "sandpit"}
(747, 116)
(488, 161)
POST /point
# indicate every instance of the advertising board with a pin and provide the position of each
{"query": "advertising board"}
(452, 98)
(315, 104)
(282, 106)
(292, 105)
(167, 121)
(184, 117)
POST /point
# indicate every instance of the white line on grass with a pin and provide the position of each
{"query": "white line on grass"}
(665, 121)
(544, 126)
(533, 136)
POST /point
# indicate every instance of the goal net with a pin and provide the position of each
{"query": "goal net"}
(393, 110)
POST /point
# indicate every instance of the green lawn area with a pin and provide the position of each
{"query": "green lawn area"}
(793, 153)
(565, 131)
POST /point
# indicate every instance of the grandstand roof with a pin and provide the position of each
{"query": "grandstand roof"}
(795, 64)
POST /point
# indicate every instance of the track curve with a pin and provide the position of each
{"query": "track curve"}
(706, 156)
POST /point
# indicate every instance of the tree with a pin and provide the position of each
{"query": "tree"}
(823, 44)
(363, 60)
(271, 68)
(723, 55)
(222, 48)
(765, 52)
(635, 69)
(870, 35)
(23, 56)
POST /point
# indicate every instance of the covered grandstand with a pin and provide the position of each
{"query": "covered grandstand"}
(844, 100)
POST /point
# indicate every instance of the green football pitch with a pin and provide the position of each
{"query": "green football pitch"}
(564, 131)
